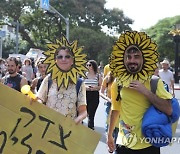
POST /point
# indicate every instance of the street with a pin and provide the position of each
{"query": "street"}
(100, 127)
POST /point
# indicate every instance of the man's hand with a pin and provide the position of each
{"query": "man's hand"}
(110, 143)
(78, 120)
(138, 86)
(82, 114)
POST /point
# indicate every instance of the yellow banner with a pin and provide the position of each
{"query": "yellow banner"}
(37, 129)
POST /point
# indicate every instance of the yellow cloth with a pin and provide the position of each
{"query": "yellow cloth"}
(106, 70)
(107, 86)
(132, 107)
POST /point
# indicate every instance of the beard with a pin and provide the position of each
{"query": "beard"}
(133, 67)
(11, 71)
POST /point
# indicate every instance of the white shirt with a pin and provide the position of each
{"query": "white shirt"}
(166, 76)
(62, 100)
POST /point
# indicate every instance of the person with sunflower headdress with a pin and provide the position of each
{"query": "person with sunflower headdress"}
(132, 63)
(59, 89)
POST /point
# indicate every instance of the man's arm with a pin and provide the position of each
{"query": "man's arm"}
(23, 82)
(163, 105)
(82, 114)
(172, 85)
(114, 116)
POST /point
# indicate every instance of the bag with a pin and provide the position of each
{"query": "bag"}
(157, 126)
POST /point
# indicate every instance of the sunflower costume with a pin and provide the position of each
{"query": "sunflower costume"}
(133, 104)
(78, 68)
(143, 43)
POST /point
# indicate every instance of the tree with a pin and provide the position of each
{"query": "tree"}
(160, 33)
(116, 20)
(87, 18)
(97, 46)
(8, 46)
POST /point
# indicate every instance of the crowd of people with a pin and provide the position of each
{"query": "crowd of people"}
(125, 105)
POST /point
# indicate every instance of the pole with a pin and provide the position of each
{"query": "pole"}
(176, 40)
(0, 47)
(65, 19)
(17, 38)
(67, 28)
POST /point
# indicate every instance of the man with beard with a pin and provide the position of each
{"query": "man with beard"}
(133, 60)
(132, 64)
(13, 79)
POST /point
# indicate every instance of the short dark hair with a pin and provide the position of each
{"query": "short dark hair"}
(132, 49)
(13, 59)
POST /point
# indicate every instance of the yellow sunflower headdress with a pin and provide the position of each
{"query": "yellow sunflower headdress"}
(78, 68)
(145, 45)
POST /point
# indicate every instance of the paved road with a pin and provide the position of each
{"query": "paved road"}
(100, 121)
(175, 148)
(100, 127)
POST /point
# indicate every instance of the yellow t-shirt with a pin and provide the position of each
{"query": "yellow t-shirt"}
(132, 107)
(106, 70)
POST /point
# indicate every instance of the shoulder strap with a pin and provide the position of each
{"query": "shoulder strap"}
(78, 85)
(49, 83)
(119, 93)
(49, 86)
(153, 84)
(5, 79)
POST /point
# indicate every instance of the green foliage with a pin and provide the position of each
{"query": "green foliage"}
(160, 34)
(97, 45)
(116, 20)
(8, 46)
(37, 27)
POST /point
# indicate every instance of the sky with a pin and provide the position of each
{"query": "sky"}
(146, 13)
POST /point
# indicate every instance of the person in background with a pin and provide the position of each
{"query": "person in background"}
(33, 67)
(27, 68)
(167, 76)
(19, 67)
(13, 79)
(93, 82)
(106, 87)
(101, 68)
(64, 100)
(106, 70)
(2, 67)
(42, 74)
(156, 72)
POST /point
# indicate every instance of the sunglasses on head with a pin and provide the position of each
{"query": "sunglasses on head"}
(61, 57)
(88, 65)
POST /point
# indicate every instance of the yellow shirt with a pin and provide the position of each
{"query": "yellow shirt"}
(132, 107)
(106, 70)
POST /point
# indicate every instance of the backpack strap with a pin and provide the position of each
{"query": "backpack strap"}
(49, 86)
(49, 83)
(153, 84)
(78, 85)
(119, 93)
